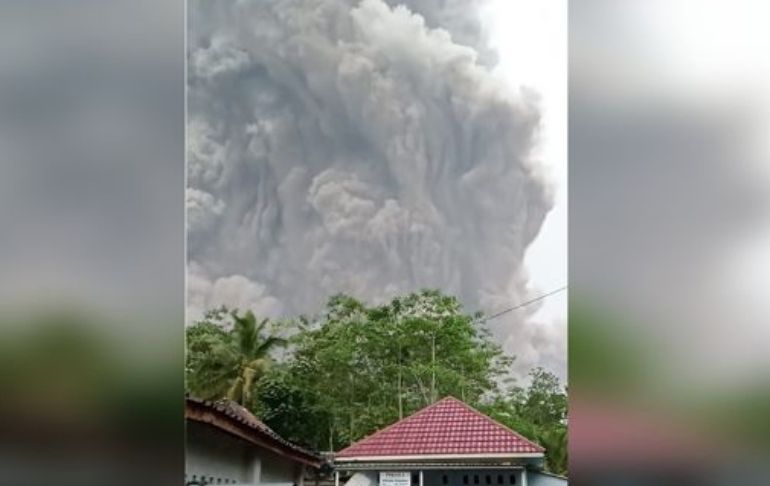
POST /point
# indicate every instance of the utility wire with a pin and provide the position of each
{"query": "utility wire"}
(523, 304)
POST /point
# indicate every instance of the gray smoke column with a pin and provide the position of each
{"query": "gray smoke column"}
(359, 147)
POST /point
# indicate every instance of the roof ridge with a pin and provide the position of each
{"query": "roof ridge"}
(408, 417)
(495, 422)
(415, 417)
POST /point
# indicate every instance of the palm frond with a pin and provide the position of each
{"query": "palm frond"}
(245, 331)
(261, 326)
(268, 345)
(257, 338)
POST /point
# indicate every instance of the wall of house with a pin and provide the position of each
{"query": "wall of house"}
(215, 457)
(471, 477)
(542, 479)
(277, 469)
(212, 457)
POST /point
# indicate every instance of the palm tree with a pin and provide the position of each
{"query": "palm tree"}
(236, 363)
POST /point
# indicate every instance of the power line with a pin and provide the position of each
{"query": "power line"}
(523, 304)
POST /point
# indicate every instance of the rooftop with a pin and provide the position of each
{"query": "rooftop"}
(235, 419)
(448, 428)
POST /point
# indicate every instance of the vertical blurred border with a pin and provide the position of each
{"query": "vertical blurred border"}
(91, 241)
(669, 242)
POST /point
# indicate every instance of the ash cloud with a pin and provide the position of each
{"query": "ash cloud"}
(360, 147)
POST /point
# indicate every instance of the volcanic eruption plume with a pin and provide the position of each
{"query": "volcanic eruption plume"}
(361, 147)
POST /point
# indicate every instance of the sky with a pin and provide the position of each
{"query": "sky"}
(531, 39)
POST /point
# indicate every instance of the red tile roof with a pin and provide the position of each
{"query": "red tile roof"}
(449, 427)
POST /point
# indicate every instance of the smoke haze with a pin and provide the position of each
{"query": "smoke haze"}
(360, 147)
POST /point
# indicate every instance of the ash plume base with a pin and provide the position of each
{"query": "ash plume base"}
(365, 148)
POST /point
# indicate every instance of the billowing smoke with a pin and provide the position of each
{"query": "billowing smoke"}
(360, 147)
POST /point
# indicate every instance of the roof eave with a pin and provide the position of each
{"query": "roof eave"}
(486, 457)
(201, 412)
(427, 466)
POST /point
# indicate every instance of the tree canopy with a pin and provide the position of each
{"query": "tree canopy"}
(227, 363)
(356, 368)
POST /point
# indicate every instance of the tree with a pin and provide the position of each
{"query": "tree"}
(545, 405)
(545, 402)
(290, 409)
(226, 363)
(356, 368)
(361, 368)
(554, 439)
(539, 412)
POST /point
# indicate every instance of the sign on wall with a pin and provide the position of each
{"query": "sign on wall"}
(395, 478)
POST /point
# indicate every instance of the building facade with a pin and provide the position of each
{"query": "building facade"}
(445, 444)
(226, 444)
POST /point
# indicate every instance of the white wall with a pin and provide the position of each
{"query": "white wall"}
(537, 479)
(453, 478)
(220, 458)
(213, 456)
(474, 477)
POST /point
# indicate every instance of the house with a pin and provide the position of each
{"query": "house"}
(445, 444)
(227, 444)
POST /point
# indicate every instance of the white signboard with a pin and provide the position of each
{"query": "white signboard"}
(395, 479)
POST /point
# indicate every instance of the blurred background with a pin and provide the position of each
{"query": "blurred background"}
(669, 242)
(91, 242)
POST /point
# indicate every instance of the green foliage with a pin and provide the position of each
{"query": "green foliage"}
(289, 409)
(365, 367)
(539, 412)
(227, 360)
(545, 402)
(357, 368)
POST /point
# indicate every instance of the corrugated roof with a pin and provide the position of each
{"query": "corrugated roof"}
(448, 427)
(238, 414)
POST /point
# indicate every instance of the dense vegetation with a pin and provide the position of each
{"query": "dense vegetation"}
(355, 368)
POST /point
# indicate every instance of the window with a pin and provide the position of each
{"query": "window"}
(444, 479)
(415, 479)
(465, 479)
(513, 479)
(489, 479)
(475, 479)
(499, 479)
